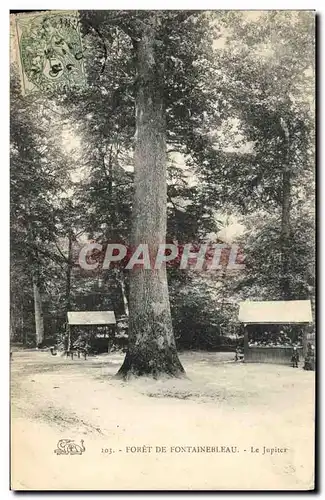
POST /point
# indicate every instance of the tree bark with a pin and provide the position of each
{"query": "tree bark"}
(38, 307)
(39, 320)
(152, 348)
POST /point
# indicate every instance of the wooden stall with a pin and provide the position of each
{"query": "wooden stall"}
(95, 327)
(272, 315)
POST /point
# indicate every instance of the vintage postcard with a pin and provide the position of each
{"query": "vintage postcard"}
(162, 316)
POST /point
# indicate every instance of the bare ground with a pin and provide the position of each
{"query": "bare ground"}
(221, 404)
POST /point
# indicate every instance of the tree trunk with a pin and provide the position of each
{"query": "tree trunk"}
(34, 266)
(110, 173)
(285, 220)
(285, 234)
(39, 320)
(125, 300)
(152, 348)
(68, 274)
(12, 331)
(13, 319)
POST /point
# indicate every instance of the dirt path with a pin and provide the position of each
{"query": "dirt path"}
(223, 404)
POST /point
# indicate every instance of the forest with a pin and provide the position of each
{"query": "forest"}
(191, 127)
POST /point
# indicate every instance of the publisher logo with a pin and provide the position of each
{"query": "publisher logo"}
(69, 447)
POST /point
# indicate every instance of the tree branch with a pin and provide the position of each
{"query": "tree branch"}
(104, 48)
(61, 253)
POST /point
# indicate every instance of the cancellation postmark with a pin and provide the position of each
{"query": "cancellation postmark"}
(49, 50)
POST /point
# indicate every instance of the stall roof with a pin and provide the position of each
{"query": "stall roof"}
(91, 318)
(277, 312)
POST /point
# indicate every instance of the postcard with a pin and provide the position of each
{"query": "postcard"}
(162, 225)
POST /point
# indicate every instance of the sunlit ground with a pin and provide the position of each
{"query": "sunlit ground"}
(221, 403)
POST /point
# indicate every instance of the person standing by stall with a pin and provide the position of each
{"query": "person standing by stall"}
(295, 357)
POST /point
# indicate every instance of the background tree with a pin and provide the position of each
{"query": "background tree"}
(268, 86)
(38, 170)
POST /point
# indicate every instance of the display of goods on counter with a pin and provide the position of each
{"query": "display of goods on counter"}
(273, 344)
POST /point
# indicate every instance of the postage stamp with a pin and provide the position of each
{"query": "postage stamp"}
(49, 50)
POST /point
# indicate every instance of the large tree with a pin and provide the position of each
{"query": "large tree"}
(268, 75)
(167, 56)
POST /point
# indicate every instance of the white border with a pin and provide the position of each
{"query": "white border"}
(168, 5)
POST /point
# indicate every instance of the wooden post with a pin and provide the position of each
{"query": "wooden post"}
(69, 337)
(245, 343)
(304, 341)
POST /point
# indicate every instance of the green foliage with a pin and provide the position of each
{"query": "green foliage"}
(233, 84)
(260, 280)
